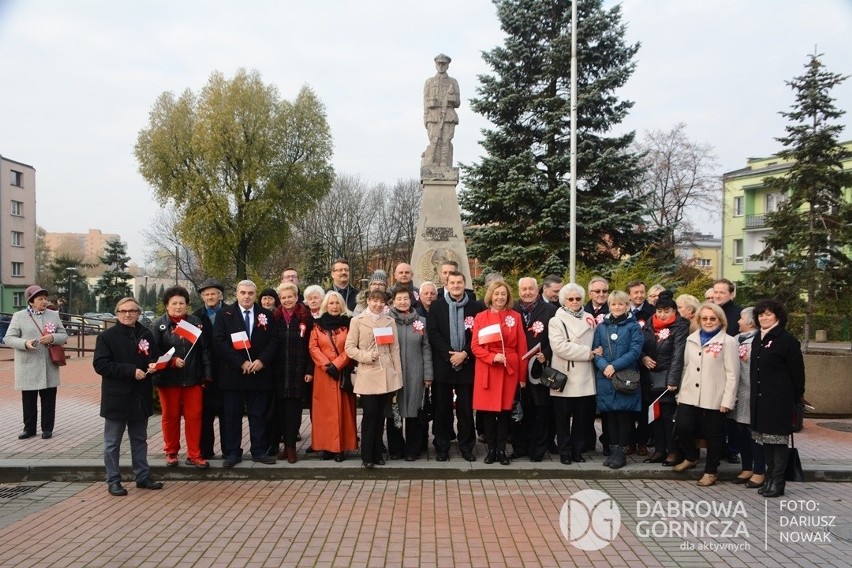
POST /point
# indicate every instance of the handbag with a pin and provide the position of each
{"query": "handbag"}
(57, 355)
(658, 380)
(426, 412)
(553, 379)
(517, 407)
(56, 352)
(798, 421)
(793, 472)
(625, 381)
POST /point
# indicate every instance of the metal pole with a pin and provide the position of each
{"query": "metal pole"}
(572, 259)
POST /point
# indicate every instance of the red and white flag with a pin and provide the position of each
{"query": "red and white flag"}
(489, 334)
(534, 351)
(383, 335)
(240, 340)
(188, 331)
(163, 361)
(654, 409)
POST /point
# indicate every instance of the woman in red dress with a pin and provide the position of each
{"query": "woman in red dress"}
(498, 343)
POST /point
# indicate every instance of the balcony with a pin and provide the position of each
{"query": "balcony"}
(755, 221)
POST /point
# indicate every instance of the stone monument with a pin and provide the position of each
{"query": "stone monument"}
(439, 229)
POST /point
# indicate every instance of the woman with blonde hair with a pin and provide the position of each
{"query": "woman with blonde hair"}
(687, 307)
(711, 369)
(333, 430)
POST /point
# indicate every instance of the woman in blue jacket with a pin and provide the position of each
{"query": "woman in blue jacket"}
(620, 336)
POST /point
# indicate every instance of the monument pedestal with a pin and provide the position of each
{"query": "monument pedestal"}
(439, 228)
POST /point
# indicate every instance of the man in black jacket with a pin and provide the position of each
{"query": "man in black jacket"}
(212, 292)
(245, 376)
(449, 327)
(123, 354)
(340, 283)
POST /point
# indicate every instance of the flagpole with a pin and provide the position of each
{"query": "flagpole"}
(249, 355)
(185, 357)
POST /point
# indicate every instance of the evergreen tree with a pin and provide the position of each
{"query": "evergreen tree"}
(517, 200)
(808, 246)
(114, 283)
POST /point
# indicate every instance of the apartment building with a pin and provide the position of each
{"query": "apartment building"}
(17, 232)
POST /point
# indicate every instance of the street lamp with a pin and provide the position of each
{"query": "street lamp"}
(71, 272)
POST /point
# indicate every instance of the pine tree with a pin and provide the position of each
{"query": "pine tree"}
(517, 200)
(114, 283)
(808, 246)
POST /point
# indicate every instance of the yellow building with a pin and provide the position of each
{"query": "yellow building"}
(747, 200)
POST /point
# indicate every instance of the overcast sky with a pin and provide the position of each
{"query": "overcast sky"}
(79, 79)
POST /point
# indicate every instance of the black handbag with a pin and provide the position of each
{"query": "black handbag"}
(798, 421)
(626, 381)
(553, 379)
(426, 412)
(658, 380)
(517, 407)
(793, 472)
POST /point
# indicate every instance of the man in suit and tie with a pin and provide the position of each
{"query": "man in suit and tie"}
(642, 311)
(245, 375)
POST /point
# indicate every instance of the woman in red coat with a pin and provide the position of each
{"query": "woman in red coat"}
(498, 343)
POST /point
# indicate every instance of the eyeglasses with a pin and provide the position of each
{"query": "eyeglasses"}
(573, 299)
(127, 312)
(599, 291)
(709, 318)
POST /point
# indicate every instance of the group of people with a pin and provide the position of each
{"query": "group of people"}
(436, 354)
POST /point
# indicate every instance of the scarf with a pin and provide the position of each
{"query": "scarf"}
(213, 312)
(287, 315)
(618, 319)
(402, 319)
(330, 323)
(658, 325)
(176, 320)
(706, 336)
(527, 308)
(35, 312)
(577, 314)
(456, 320)
(763, 332)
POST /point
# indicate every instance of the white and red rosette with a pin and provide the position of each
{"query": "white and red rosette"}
(49, 327)
(663, 334)
(418, 326)
(509, 321)
(743, 351)
(468, 323)
(715, 348)
(536, 327)
(302, 329)
(262, 322)
(143, 346)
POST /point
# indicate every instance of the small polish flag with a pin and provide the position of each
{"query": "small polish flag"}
(489, 334)
(654, 409)
(534, 351)
(240, 340)
(188, 331)
(383, 335)
(163, 361)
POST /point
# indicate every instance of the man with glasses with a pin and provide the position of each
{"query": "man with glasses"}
(124, 356)
(598, 294)
(292, 276)
(341, 285)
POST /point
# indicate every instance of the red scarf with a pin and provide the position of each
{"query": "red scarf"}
(658, 325)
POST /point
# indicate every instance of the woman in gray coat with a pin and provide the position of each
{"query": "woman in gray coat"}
(416, 357)
(30, 333)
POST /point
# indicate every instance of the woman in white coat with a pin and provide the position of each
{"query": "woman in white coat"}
(571, 332)
(708, 391)
(31, 332)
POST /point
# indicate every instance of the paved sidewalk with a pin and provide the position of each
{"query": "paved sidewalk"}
(75, 453)
(55, 511)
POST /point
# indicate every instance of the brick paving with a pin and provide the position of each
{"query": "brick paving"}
(403, 514)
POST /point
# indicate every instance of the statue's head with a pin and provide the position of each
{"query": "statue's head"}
(442, 62)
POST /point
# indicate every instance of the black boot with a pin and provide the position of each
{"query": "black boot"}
(779, 465)
(769, 457)
(491, 457)
(619, 457)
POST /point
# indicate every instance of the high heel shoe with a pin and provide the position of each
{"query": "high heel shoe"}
(752, 484)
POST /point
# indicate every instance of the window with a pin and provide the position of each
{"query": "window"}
(17, 208)
(16, 179)
(773, 201)
(17, 239)
(738, 251)
(18, 269)
(738, 206)
(18, 299)
(704, 263)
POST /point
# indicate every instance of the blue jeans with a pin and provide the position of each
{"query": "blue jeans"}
(137, 431)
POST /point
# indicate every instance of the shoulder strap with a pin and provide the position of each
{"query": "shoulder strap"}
(36, 323)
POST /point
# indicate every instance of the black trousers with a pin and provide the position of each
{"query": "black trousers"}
(48, 409)
(409, 444)
(443, 399)
(496, 425)
(620, 425)
(288, 411)
(257, 406)
(692, 420)
(372, 426)
(571, 424)
(212, 406)
(662, 429)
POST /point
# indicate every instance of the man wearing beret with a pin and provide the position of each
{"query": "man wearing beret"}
(212, 292)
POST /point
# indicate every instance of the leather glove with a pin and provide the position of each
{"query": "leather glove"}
(332, 371)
